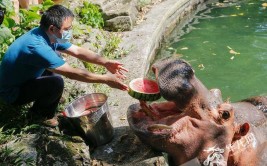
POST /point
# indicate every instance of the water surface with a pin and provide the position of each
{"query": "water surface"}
(227, 47)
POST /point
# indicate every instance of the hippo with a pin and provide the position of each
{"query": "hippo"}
(193, 123)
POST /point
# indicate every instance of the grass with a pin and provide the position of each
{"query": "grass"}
(9, 156)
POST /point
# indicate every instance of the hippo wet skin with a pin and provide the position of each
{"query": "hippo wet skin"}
(194, 123)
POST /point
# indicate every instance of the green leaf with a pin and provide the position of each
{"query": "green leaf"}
(5, 35)
(7, 4)
(91, 15)
(48, 3)
(9, 22)
(33, 16)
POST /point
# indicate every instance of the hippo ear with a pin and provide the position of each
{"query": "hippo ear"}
(241, 131)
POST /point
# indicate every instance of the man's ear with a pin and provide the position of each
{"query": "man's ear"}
(241, 131)
(51, 29)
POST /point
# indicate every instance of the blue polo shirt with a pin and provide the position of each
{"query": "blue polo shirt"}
(26, 59)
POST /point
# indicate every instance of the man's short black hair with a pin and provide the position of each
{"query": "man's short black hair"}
(55, 15)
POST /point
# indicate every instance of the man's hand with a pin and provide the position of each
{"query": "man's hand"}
(115, 81)
(116, 67)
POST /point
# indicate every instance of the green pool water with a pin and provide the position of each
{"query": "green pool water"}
(227, 47)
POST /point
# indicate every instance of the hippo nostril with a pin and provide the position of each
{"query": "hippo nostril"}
(225, 115)
(203, 106)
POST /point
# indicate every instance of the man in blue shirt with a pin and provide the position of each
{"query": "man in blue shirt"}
(23, 77)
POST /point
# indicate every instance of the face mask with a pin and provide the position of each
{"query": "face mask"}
(66, 36)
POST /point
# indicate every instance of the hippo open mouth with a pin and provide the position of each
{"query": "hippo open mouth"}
(194, 122)
(192, 118)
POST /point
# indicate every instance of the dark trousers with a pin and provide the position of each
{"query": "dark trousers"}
(44, 91)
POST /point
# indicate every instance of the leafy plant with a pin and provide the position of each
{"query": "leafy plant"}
(111, 49)
(142, 3)
(30, 128)
(98, 88)
(28, 18)
(101, 88)
(4, 137)
(79, 29)
(13, 121)
(6, 38)
(90, 15)
(8, 156)
(94, 68)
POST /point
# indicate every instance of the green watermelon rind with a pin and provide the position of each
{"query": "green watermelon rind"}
(143, 96)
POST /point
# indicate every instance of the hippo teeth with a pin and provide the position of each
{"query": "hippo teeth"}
(158, 127)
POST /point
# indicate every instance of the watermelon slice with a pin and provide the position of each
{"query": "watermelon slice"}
(144, 89)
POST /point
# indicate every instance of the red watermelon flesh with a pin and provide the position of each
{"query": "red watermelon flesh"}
(144, 89)
(145, 86)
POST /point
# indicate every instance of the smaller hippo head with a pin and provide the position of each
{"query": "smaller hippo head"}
(178, 83)
(173, 76)
(191, 122)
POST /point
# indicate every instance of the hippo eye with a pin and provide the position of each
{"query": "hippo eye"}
(225, 115)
